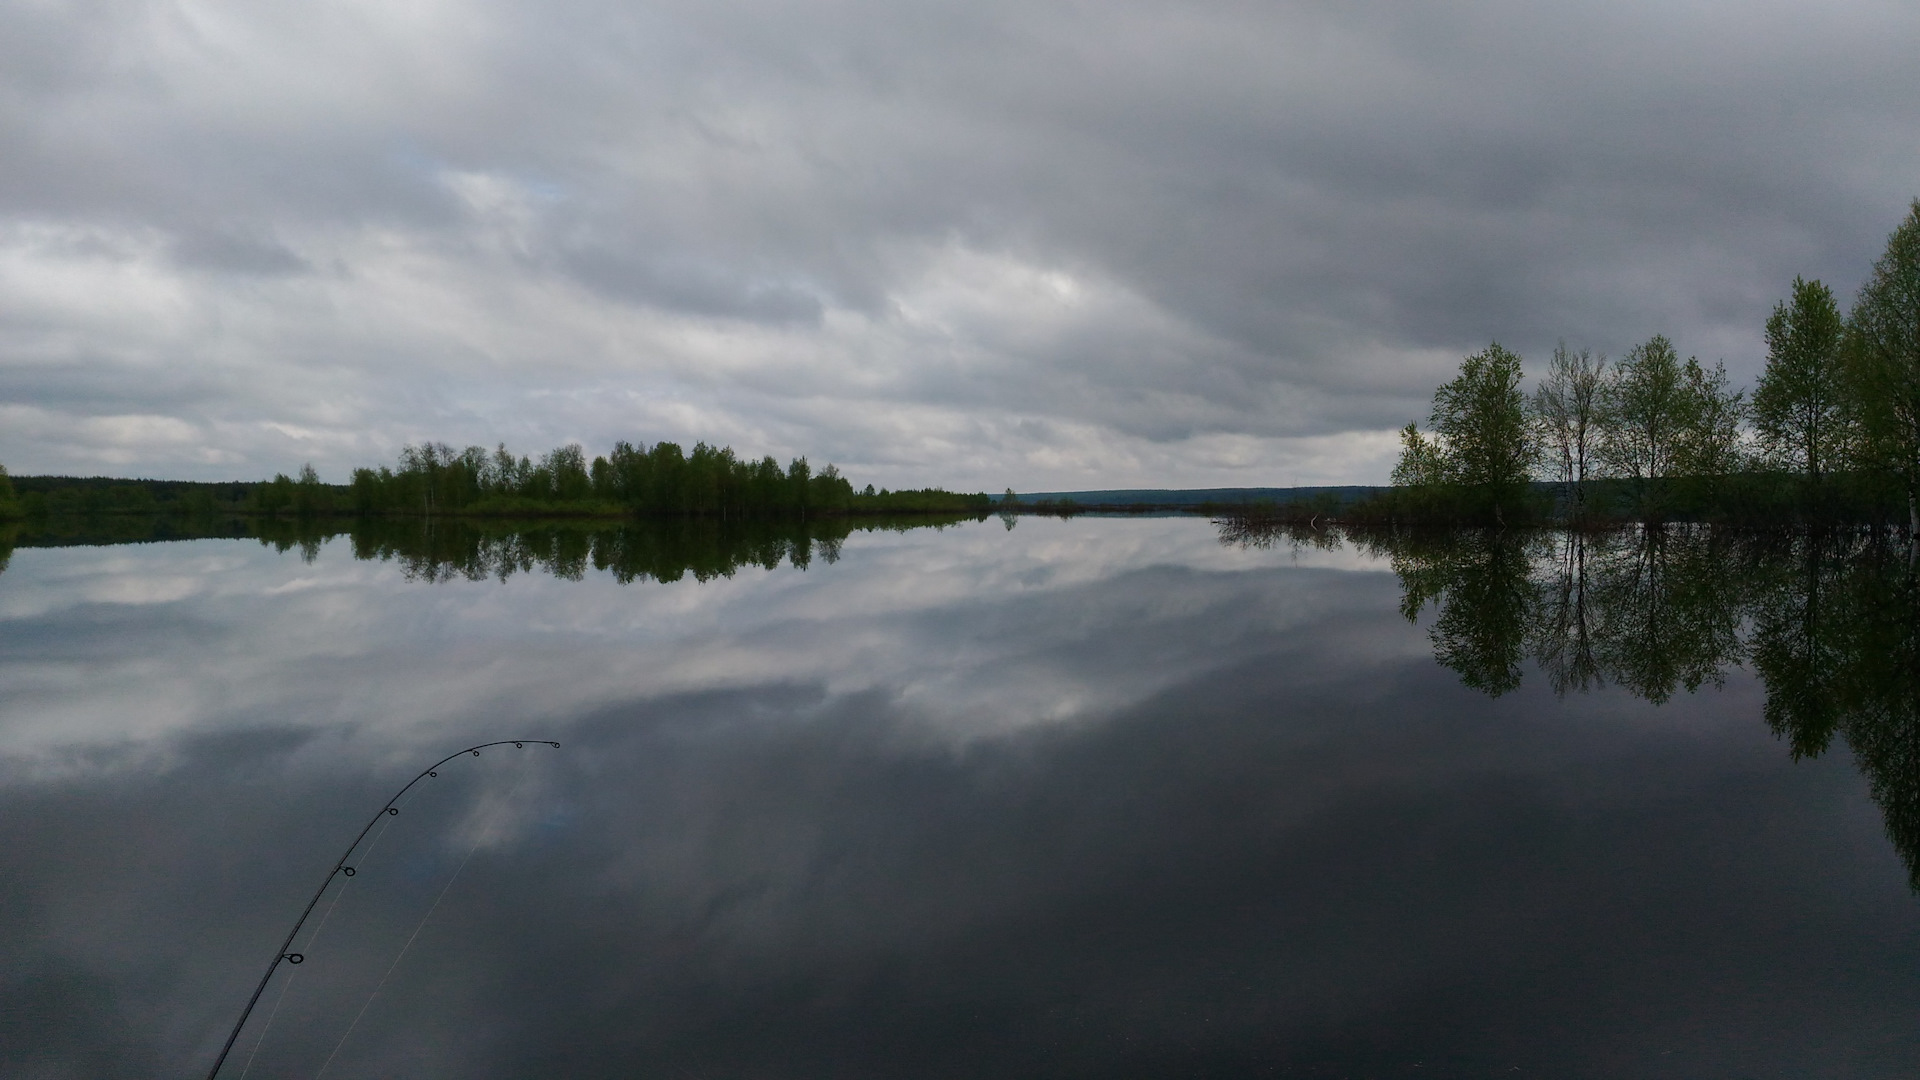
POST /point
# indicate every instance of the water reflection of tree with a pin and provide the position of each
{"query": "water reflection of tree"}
(666, 550)
(1830, 623)
(1668, 605)
(1561, 632)
(1254, 532)
(445, 550)
(1800, 634)
(1479, 581)
(1652, 609)
(1839, 648)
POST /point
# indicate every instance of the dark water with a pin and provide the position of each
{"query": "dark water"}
(1083, 798)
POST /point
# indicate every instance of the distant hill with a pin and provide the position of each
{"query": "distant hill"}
(1181, 497)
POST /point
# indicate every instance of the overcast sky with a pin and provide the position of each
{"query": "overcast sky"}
(978, 244)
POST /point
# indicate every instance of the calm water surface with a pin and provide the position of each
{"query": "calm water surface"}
(1077, 798)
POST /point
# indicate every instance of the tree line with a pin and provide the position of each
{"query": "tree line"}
(434, 479)
(42, 497)
(1831, 430)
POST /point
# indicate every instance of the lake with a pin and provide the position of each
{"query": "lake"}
(1113, 797)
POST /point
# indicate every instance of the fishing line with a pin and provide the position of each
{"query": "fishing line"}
(341, 869)
(416, 931)
(275, 1011)
(325, 916)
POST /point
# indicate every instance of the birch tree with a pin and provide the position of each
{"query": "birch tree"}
(1565, 411)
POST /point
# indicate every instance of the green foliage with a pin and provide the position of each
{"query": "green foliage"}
(921, 501)
(43, 498)
(9, 512)
(9, 504)
(1800, 405)
(1478, 459)
(1480, 417)
(1422, 463)
(1882, 346)
(1708, 448)
(1644, 422)
(1643, 411)
(1565, 411)
(434, 479)
(303, 498)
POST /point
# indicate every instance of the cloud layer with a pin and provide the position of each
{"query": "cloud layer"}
(974, 244)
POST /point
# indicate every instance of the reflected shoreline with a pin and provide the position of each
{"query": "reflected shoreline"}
(976, 797)
(1829, 620)
(457, 549)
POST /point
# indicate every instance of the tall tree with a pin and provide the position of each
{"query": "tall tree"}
(1799, 405)
(1883, 351)
(1565, 410)
(1422, 464)
(1481, 420)
(310, 496)
(1643, 411)
(1708, 446)
(567, 476)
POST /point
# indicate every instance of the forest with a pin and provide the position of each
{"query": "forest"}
(1830, 433)
(435, 480)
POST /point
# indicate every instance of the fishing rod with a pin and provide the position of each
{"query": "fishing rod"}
(341, 869)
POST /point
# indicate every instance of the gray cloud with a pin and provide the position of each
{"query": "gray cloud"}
(238, 253)
(1136, 234)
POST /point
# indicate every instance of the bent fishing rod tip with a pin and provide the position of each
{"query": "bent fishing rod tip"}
(341, 868)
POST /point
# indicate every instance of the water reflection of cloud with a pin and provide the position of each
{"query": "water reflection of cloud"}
(976, 629)
(1276, 833)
